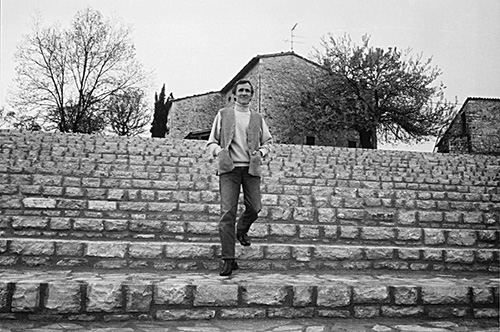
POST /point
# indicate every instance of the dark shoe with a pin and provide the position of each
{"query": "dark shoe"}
(244, 239)
(229, 266)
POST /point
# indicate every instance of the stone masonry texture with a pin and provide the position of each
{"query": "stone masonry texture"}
(95, 227)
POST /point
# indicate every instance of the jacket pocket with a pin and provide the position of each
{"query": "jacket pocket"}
(255, 168)
(225, 162)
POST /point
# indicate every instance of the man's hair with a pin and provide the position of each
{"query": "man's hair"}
(240, 82)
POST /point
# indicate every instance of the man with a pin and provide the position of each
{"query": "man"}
(239, 139)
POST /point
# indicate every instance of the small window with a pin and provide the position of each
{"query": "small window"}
(351, 144)
(310, 140)
(464, 123)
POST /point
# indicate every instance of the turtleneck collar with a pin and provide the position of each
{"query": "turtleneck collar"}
(241, 108)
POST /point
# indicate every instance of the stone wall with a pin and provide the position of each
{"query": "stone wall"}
(483, 121)
(475, 129)
(194, 113)
(279, 82)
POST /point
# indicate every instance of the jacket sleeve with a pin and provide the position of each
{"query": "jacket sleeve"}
(266, 140)
(213, 143)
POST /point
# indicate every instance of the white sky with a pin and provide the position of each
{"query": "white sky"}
(197, 46)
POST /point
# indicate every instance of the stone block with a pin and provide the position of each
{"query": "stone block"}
(367, 294)
(364, 312)
(216, 295)
(408, 254)
(486, 313)
(409, 234)
(302, 253)
(264, 294)
(69, 248)
(61, 224)
(377, 233)
(115, 225)
(39, 202)
(254, 253)
(432, 254)
(334, 296)
(26, 297)
(243, 313)
(334, 313)
(139, 297)
(430, 216)
(379, 253)
(32, 247)
(303, 214)
(172, 293)
(461, 237)
(308, 231)
(149, 226)
(482, 295)
(404, 217)
(189, 250)
(401, 312)
(145, 250)
(459, 256)
(104, 296)
(405, 295)
(185, 314)
(4, 290)
(302, 296)
(337, 253)
(290, 313)
(330, 232)
(445, 294)
(29, 222)
(63, 297)
(203, 227)
(102, 205)
(349, 232)
(433, 236)
(88, 225)
(277, 252)
(106, 249)
(357, 214)
(283, 229)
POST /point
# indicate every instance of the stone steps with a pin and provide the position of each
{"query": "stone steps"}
(94, 296)
(99, 228)
(262, 231)
(178, 255)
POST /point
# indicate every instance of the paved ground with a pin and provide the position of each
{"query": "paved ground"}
(265, 325)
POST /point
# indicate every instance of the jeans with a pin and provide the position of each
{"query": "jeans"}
(229, 186)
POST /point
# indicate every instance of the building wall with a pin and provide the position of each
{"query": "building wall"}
(483, 124)
(278, 82)
(193, 113)
(475, 129)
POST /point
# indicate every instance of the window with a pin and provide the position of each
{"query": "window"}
(310, 140)
(351, 144)
(463, 123)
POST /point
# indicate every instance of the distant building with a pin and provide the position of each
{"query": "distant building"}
(475, 128)
(279, 81)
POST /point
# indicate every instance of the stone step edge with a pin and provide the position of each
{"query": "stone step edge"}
(13, 248)
(148, 242)
(80, 296)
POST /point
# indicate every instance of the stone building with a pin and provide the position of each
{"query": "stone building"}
(279, 81)
(475, 128)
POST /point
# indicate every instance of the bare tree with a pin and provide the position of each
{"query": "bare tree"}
(128, 113)
(67, 76)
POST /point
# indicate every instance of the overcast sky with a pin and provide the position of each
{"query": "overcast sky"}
(197, 46)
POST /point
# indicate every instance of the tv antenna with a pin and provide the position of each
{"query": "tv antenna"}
(292, 35)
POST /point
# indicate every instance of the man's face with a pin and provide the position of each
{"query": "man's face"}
(244, 93)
